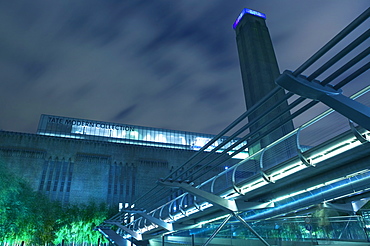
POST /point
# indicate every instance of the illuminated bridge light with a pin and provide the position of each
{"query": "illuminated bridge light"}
(248, 11)
(335, 150)
(285, 171)
(288, 170)
(191, 211)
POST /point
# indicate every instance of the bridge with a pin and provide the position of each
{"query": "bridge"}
(296, 189)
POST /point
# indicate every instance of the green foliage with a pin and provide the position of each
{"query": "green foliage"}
(26, 215)
(77, 223)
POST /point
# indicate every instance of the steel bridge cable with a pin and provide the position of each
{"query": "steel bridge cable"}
(338, 86)
(345, 51)
(224, 153)
(147, 195)
(351, 77)
(299, 100)
(348, 79)
(228, 128)
(222, 133)
(340, 55)
(238, 132)
(308, 106)
(346, 66)
(303, 109)
(292, 105)
(353, 25)
(233, 145)
(295, 114)
(254, 140)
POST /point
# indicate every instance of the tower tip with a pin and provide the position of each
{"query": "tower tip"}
(250, 12)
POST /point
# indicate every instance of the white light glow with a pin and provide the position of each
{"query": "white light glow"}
(242, 155)
(335, 150)
(212, 220)
(178, 216)
(134, 134)
(161, 138)
(147, 228)
(191, 211)
(206, 205)
(252, 186)
(288, 170)
(320, 186)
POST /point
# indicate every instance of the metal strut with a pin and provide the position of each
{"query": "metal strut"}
(326, 94)
(134, 234)
(219, 228)
(111, 235)
(230, 206)
(161, 223)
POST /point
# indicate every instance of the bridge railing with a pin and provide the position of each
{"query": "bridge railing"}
(310, 229)
(253, 172)
(246, 175)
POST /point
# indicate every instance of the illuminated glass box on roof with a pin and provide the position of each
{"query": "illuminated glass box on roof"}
(120, 133)
(247, 11)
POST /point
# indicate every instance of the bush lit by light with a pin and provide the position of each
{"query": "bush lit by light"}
(28, 217)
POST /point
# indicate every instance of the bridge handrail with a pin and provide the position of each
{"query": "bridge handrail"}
(232, 169)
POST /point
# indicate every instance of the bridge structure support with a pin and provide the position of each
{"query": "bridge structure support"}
(230, 206)
(351, 109)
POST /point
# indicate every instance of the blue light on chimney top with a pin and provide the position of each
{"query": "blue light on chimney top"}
(248, 11)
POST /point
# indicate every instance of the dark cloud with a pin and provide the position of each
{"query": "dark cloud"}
(83, 90)
(151, 63)
(34, 69)
(123, 114)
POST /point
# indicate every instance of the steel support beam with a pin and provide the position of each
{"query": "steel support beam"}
(357, 205)
(219, 228)
(352, 206)
(134, 234)
(229, 205)
(112, 236)
(244, 206)
(251, 229)
(358, 135)
(351, 109)
(161, 223)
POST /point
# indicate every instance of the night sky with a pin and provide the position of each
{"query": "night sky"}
(165, 64)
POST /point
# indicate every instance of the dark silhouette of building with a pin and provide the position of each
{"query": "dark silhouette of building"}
(259, 70)
(77, 160)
